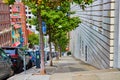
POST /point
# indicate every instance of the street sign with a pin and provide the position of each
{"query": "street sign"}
(44, 27)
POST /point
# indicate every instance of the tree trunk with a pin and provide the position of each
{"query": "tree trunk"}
(57, 54)
(60, 51)
(42, 71)
(50, 55)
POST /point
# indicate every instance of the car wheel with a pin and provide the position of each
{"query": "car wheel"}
(20, 67)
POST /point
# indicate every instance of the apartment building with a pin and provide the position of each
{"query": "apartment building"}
(97, 39)
(5, 28)
(18, 21)
(29, 16)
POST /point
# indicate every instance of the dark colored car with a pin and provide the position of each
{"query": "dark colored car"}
(54, 54)
(5, 65)
(28, 61)
(32, 56)
(16, 55)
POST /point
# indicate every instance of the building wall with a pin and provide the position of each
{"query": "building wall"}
(5, 28)
(24, 27)
(29, 16)
(18, 17)
(93, 40)
(117, 35)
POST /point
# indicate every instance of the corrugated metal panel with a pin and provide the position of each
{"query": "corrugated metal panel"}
(96, 32)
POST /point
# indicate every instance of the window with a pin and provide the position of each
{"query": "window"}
(11, 52)
(86, 53)
(26, 7)
(3, 55)
(82, 47)
(30, 17)
(29, 26)
(18, 7)
(10, 7)
(12, 40)
(29, 13)
(0, 58)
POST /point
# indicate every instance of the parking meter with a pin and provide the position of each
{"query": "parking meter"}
(37, 59)
(24, 61)
(24, 64)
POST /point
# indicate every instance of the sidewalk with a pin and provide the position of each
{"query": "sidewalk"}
(28, 75)
(68, 68)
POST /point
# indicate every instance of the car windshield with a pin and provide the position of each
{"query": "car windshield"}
(11, 52)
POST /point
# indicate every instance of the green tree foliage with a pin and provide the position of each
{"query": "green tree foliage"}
(83, 3)
(56, 13)
(33, 39)
(59, 17)
(9, 1)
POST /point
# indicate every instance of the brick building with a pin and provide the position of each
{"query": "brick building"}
(18, 21)
(5, 28)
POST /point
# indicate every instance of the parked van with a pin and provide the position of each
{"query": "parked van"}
(5, 65)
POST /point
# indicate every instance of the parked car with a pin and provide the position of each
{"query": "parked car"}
(28, 61)
(32, 56)
(16, 55)
(54, 54)
(5, 65)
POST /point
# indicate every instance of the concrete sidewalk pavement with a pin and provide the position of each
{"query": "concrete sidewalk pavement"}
(71, 69)
(68, 68)
(29, 75)
(64, 65)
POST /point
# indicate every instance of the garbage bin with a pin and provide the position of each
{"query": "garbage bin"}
(37, 59)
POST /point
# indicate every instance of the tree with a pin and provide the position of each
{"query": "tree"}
(33, 39)
(61, 34)
(9, 1)
(56, 13)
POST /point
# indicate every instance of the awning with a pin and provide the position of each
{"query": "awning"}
(16, 26)
(16, 44)
(14, 16)
(12, 23)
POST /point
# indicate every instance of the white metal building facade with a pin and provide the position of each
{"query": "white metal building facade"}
(97, 39)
